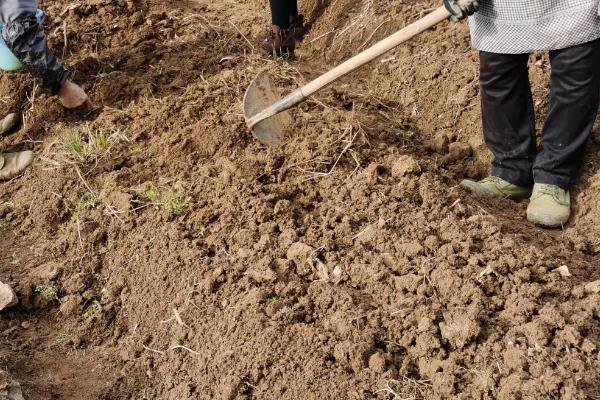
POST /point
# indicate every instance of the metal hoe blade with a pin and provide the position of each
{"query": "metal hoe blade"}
(259, 96)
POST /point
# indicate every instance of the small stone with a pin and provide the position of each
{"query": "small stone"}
(563, 270)
(8, 298)
(25, 324)
(9, 388)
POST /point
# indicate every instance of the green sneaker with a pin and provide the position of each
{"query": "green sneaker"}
(493, 186)
(14, 164)
(9, 122)
(550, 206)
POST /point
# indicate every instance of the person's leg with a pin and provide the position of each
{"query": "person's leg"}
(293, 7)
(280, 39)
(574, 98)
(508, 116)
(280, 13)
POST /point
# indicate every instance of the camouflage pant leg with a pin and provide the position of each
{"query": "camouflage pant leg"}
(26, 39)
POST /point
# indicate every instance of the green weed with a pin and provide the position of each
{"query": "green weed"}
(91, 310)
(82, 144)
(152, 193)
(5, 362)
(136, 149)
(48, 291)
(65, 339)
(86, 145)
(175, 206)
(87, 203)
(3, 225)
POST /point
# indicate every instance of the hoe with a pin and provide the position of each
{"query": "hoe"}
(266, 115)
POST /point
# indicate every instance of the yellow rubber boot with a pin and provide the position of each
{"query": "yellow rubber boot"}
(495, 187)
(14, 164)
(550, 206)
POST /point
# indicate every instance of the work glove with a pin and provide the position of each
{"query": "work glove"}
(461, 9)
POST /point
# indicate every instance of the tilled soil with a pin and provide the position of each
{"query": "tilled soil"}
(160, 252)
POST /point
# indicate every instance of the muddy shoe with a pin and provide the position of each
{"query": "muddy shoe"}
(8, 123)
(279, 42)
(14, 164)
(550, 206)
(494, 186)
(297, 26)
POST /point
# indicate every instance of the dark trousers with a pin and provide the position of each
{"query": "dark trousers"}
(509, 116)
(282, 10)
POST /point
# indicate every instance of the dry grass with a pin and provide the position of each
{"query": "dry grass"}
(406, 389)
(81, 144)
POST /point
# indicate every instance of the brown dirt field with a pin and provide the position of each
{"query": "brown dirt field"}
(160, 252)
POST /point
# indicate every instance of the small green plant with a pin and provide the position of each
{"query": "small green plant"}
(485, 377)
(48, 291)
(119, 243)
(82, 144)
(175, 206)
(3, 225)
(87, 144)
(151, 193)
(407, 134)
(136, 149)
(4, 362)
(91, 310)
(65, 339)
(87, 203)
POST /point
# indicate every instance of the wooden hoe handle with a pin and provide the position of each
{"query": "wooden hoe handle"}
(382, 47)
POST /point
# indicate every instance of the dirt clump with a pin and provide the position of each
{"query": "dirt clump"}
(159, 251)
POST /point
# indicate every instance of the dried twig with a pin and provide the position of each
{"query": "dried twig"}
(162, 353)
(186, 349)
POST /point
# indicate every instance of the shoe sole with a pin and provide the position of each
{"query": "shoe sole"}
(475, 188)
(546, 220)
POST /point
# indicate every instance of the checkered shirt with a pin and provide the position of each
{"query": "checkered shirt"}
(526, 26)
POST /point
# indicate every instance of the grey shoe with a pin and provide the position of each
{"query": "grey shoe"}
(9, 122)
(14, 164)
(550, 206)
(495, 187)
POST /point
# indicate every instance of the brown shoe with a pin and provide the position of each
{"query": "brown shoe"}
(297, 26)
(279, 42)
(14, 164)
(8, 123)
